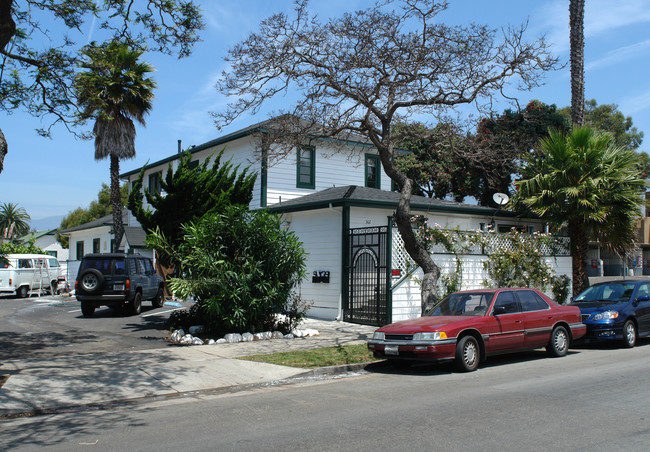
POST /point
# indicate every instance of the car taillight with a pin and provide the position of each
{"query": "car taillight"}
(11, 281)
(76, 285)
(127, 285)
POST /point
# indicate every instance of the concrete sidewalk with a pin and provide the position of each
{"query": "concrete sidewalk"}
(38, 386)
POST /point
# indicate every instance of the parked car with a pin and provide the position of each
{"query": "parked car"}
(468, 326)
(117, 281)
(616, 311)
(21, 274)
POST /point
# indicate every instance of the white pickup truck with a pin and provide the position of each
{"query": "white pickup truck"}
(21, 274)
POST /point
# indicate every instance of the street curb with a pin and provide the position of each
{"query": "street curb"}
(320, 372)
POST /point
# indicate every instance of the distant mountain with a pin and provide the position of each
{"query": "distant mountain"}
(47, 223)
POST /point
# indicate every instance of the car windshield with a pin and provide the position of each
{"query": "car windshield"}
(475, 303)
(106, 266)
(610, 292)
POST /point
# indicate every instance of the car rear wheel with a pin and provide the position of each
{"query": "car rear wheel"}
(91, 281)
(559, 343)
(87, 309)
(468, 354)
(629, 334)
(158, 299)
(136, 304)
(22, 292)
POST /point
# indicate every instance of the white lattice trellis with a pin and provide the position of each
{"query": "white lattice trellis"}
(558, 246)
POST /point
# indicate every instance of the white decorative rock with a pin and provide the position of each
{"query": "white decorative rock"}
(298, 333)
(277, 335)
(258, 337)
(247, 337)
(197, 329)
(177, 336)
(309, 332)
(212, 342)
(222, 341)
(288, 336)
(233, 338)
(197, 341)
(187, 339)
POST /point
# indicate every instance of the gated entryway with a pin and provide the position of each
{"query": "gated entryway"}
(367, 276)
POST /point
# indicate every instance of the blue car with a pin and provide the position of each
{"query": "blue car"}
(616, 310)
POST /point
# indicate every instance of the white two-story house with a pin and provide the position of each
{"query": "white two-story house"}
(340, 203)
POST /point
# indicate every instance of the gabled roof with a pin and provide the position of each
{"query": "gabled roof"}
(135, 235)
(261, 127)
(103, 221)
(352, 195)
(36, 235)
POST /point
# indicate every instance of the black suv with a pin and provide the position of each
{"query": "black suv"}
(117, 281)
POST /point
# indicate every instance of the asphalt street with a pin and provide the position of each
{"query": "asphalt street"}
(594, 399)
(53, 325)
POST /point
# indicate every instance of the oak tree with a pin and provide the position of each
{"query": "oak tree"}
(363, 72)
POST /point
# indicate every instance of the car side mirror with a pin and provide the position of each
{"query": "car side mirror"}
(642, 298)
(498, 310)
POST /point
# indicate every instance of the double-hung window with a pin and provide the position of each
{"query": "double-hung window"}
(306, 174)
(373, 173)
(154, 182)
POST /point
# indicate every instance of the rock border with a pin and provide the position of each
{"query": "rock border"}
(181, 337)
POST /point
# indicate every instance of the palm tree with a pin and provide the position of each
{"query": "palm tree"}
(114, 91)
(577, 41)
(585, 182)
(14, 221)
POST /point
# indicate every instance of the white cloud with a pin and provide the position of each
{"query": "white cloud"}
(636, 103)
(601, 16)
(626, 53)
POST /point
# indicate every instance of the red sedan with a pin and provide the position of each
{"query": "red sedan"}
(468, 326)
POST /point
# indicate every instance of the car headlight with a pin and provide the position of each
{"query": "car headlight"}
(433, 336)
(379, 336)
(607, 315)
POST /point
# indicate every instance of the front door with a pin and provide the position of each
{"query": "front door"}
(506, 325)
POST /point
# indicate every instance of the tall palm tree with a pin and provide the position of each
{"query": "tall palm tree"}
(114, 91)
(585, 182)
(577, 42)
(14, 221)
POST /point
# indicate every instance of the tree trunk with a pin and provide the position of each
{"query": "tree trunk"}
(579, 249)
(415, 249)
(3, 150)
(577, 39)
(116, 202)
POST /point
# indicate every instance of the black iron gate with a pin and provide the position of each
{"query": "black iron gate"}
(367, 276)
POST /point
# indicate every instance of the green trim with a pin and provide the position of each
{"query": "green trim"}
(264, 173)
(375, 158)
(389, 271)
(345, 254)
(312, 167)
(391, 205)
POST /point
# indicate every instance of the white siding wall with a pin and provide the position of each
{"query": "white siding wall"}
(320, 233)
(331, 168)
(406, 297)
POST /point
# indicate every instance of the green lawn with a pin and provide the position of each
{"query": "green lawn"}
(319, 357)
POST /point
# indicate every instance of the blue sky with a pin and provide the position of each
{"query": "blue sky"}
(51, 177)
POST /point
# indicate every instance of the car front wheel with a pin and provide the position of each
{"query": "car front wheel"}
(559, 343)
(629, 334)
(157, 301)
(136, 304)
(468, 354)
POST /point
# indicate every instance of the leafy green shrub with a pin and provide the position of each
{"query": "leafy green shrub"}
(241, 267)
(560, 287)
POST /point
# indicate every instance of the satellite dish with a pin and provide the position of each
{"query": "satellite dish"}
(500, 198)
